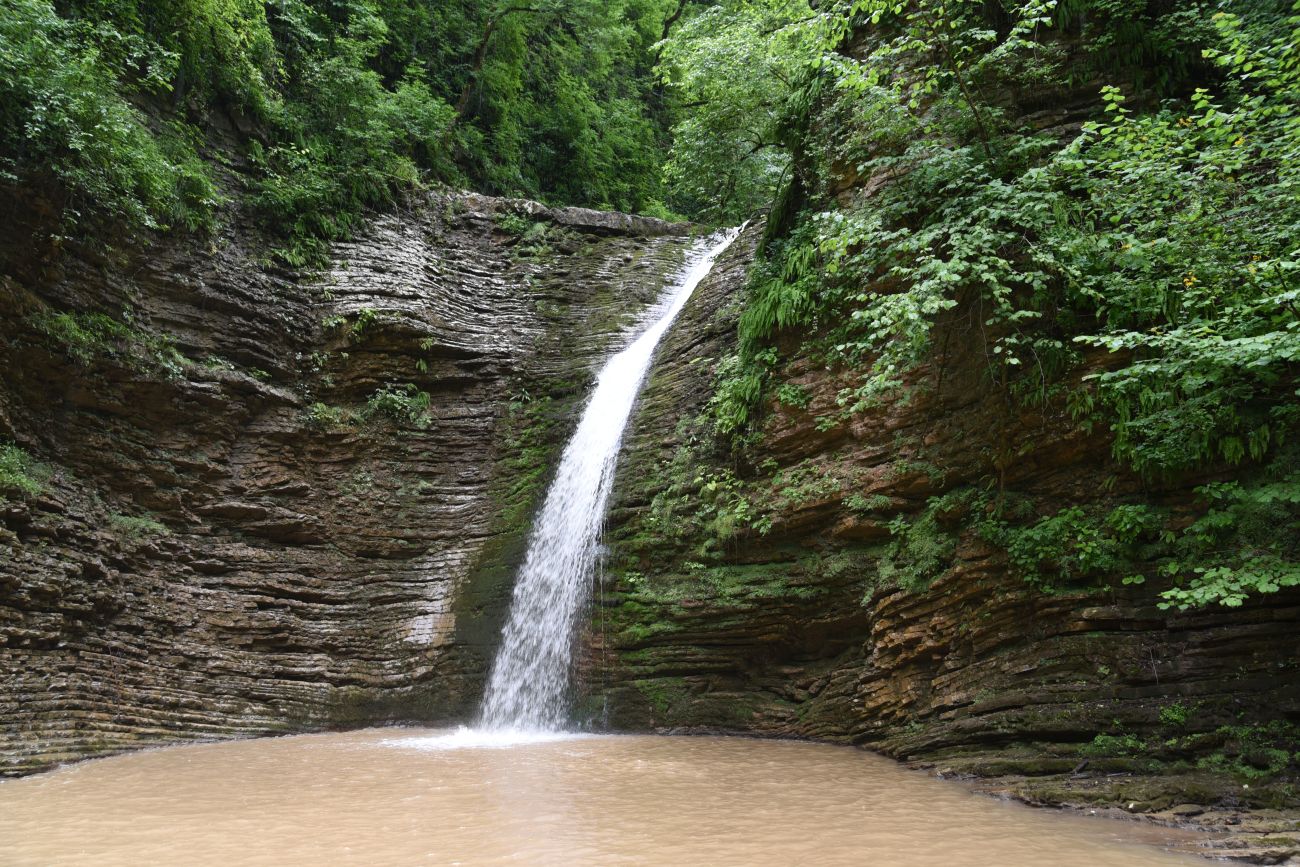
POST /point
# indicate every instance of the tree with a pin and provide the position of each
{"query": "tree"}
(733, 70)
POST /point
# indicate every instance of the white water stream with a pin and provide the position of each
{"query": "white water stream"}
(528, 690)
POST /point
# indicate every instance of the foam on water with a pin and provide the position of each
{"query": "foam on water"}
(464, 738)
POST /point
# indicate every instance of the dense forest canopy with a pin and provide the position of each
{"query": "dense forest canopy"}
(918, 156)
(126, 108)
(339, 105)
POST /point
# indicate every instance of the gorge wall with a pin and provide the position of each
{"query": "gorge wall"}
(250, 519)
(764, 592)
(836, 571)
(265, 503)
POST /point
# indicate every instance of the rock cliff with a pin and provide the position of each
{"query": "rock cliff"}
(259, 502)
(762, 593)
(263, 503)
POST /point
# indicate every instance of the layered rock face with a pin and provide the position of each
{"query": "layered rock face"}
(267, 503)
(271, 504)
(831, 576)
(767, 593)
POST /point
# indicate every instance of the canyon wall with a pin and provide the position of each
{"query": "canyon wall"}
(269, 504)
(266, 502)
(761, 591)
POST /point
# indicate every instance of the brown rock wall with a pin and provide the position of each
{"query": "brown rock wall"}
(232, 540)
(794, 630)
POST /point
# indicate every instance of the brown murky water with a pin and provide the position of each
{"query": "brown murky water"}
(406, 796)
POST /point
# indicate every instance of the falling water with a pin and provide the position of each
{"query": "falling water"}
(528, 689)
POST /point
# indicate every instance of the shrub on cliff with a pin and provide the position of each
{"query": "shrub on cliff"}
(1163, 233)
(20, 473)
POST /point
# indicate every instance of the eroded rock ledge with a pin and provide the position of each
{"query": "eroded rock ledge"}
(251, 519)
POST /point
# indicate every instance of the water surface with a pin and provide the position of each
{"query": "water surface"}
(411, 796)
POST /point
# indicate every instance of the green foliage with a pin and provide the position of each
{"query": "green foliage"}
(663, 693)
(565, 106)
(356, 326)
(204, 51)
(737, 585)
(20, 473)
(529, 443)
(366, 320)
(1242, 542)
(808, 482)
(346, 139)
(136, 527)
(1074, 546)
(1245, 543)
(734, 62)
(738, 389)
(89, 337)
(1191, 262)
(513, 224)
(723, 505)
(63, 117)
(923, 546)
(350, 105)
(531, 238)
(779, 296)
(793, 395)
(323, 417)
(1255, 752)
(1159, 52)
(404, 404)
(1175, 714)
(861, 505)
(1248, 752)
(1165, 238)
(1113, 746)
(707, 509)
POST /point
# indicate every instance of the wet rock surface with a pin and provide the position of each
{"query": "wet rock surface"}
(252, 518)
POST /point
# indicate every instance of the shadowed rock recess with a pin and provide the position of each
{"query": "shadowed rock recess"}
(268, 504)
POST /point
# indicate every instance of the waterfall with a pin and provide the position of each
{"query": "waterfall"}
(529, 686)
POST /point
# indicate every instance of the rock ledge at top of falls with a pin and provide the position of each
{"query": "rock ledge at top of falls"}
(579, 219)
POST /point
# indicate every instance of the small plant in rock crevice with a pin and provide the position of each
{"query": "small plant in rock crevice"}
(20, 473)
(323, 417)
(512, 224)
(403, 403)
(86, 337)
(136, 526)
(921, 550)
(354, 327)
